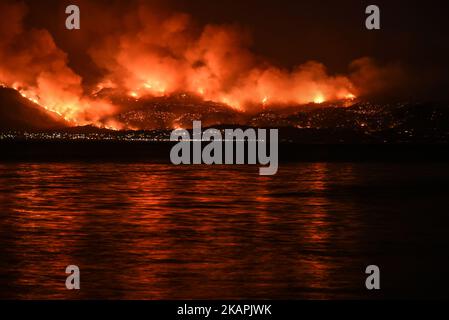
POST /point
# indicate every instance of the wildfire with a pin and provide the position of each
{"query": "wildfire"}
(111, 125)
(319, 99)
(154, 87)
(162, 58)
(265, 101)
(350, 96)
(234, 104)
(70, 108)
(33, 97)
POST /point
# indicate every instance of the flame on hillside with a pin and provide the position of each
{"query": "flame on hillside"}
(160, 54)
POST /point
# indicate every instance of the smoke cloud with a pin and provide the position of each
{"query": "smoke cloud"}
(32, 64)
(161, 54)
(146, 50)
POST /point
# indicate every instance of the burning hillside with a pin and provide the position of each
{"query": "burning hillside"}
(159, 54)
(18, 113)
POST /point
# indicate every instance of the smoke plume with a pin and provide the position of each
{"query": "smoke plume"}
(32, 64)
(149, 51)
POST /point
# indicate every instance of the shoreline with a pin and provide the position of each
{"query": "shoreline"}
(159, 152)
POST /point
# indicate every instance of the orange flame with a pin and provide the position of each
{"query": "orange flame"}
(159, 55)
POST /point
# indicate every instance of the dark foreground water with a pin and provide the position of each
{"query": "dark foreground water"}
(150, 231)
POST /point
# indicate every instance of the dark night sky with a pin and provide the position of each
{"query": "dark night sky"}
(334, 31)
(290, 32)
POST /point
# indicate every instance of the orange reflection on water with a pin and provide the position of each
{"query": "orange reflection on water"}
(150, 231)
